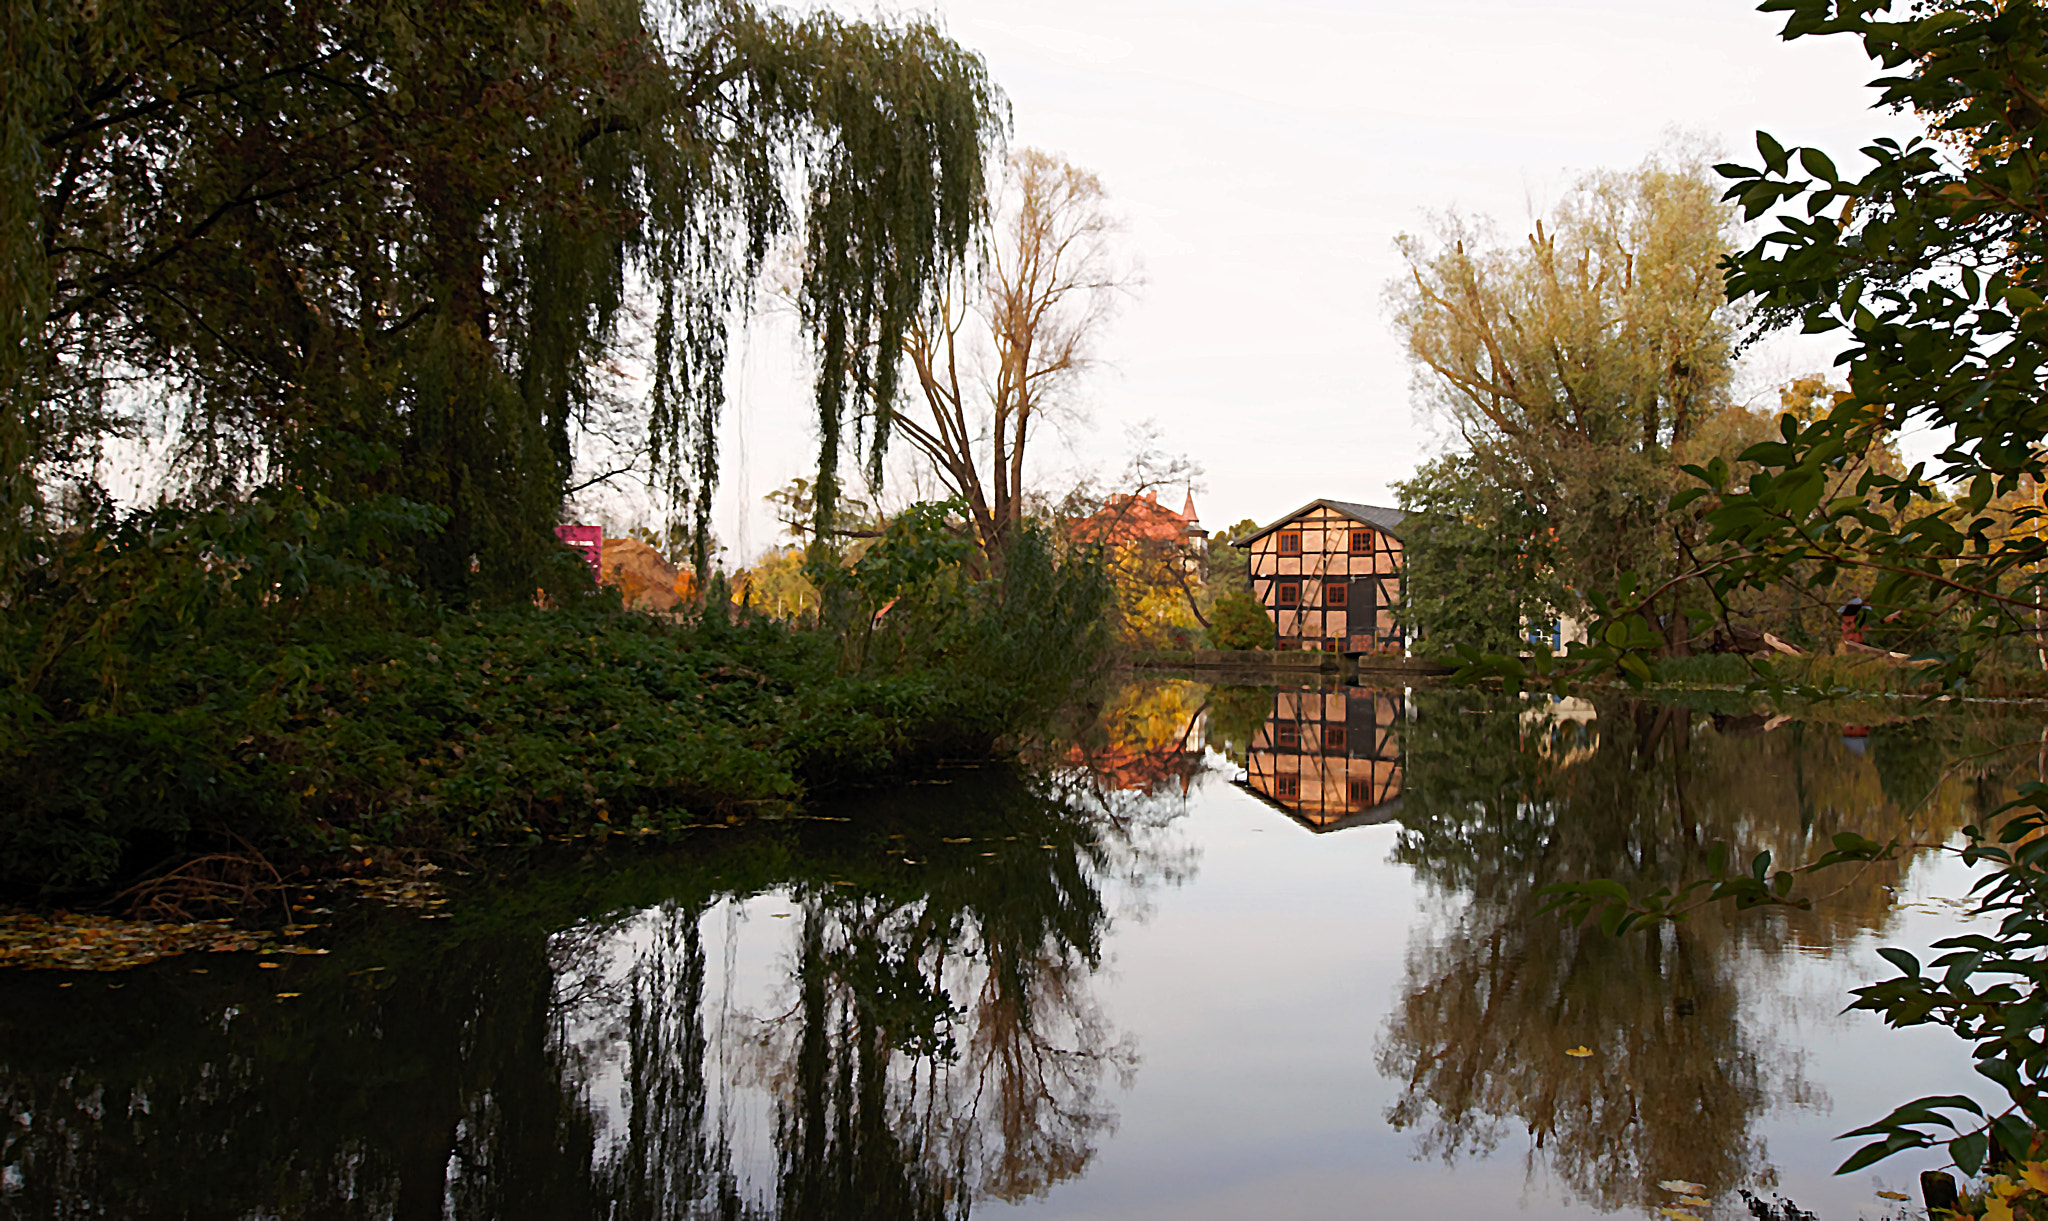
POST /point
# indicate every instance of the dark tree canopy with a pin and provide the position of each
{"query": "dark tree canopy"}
(378, 248)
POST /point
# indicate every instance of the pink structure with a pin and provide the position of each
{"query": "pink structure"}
(587, 539)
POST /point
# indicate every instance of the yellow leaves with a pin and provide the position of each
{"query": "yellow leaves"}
(780, 915)
(1893, 1195)
(1579, 1052)
(2035, 1175)
(268, 966)
(71, 942)
(288, 995)
(1690, 1196)
(413, 892)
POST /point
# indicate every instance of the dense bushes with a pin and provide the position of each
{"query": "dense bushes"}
(193, 681)
(1239, 621)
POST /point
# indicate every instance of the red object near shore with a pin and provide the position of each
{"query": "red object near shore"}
(587, 539)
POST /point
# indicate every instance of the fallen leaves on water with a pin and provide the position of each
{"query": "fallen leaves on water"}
(71, 942)
(1684, 1188)
(1580, 1052)
(1678, 1214)
(285, 995)
(1893, 1195)
(409, 892)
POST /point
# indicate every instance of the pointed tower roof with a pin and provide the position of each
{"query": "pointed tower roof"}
(1188, 510)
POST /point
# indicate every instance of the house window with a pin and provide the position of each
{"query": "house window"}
(1290, 542)
(1335, 593)
(1287, 736)
(1287, 788)
(1287, 593)
(1361, 542)
(1361, 792)
(1333, 737)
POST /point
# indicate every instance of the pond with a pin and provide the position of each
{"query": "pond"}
(1241, 952)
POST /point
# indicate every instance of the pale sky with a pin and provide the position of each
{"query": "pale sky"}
(1264, 158)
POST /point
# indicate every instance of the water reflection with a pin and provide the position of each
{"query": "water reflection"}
(640, 1036)
(564, 1049)
(1496, 996)
(1330, 757)
(1147, 739)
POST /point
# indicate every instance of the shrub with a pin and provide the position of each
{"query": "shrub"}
(1238, 621)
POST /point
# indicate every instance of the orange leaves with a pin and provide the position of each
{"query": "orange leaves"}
(71, 942)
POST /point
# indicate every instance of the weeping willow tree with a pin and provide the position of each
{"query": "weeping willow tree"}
(383, 248)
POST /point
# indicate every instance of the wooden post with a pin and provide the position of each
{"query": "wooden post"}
(1938, 1192)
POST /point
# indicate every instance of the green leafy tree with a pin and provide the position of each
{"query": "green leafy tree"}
(1229, 568)
(1239, 621)
(379, 248)
(1478, 562)
(1574, 366)
(1236, 618)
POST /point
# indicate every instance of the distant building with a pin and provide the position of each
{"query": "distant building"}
(1128, 519)
(1329, 575)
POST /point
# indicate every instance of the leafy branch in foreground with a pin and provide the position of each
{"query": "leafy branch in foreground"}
(1618, 911)
(1929, 266)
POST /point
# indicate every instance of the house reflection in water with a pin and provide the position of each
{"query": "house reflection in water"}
(1330, 758)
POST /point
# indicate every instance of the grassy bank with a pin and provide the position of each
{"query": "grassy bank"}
(176, 698)
(1859, 675)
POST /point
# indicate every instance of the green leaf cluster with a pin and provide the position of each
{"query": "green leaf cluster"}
(1926, 265)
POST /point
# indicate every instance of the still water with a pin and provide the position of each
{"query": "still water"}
(1241, 953)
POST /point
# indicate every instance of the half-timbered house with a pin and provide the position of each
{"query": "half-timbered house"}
(1330, 758)
(1329, 575)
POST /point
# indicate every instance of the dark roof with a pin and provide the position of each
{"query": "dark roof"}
(1373, 816)
(1372, 515)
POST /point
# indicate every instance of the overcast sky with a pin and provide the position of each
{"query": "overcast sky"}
(1265, 156)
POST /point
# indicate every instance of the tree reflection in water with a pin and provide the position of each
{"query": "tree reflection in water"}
(931, 1044)
(552, 1051)
(569, 1045)
(1501, 803)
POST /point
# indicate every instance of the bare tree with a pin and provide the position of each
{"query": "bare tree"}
(1007, 344)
